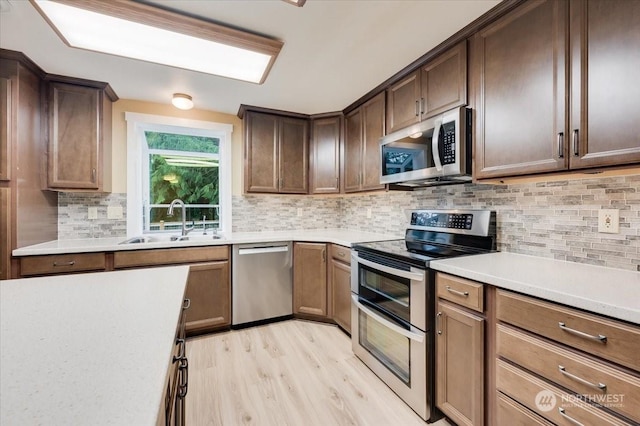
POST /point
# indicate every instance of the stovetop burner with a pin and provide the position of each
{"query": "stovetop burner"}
(437, 234)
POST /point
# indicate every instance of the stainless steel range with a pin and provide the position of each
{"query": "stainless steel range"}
(393, 298)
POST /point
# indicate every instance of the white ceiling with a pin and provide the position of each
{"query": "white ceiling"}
(335, 51)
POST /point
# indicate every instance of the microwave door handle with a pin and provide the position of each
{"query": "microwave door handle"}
(418, 336)
(414, 276)
(434, 144)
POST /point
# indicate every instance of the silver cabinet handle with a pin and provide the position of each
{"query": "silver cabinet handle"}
(561, 145)
(600, 386)
(70, 263)
(183, 349)
(324, 255)
(183, 386)
(422, 111)
(571, 419)
(93, 175)
(599, 338)
(186, 304)
(438, 315)
(417, 108)
(459, 293)
(341, 254)
(576, 143)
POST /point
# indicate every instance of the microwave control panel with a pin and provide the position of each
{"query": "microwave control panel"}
(448, 143)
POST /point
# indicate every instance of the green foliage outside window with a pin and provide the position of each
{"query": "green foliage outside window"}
(194, 179)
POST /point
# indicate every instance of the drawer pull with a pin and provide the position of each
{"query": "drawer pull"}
(600, 386)
(341, 254)
(180, 355)
(459, 293)
(186, 303)
(599, 338)
(566, 416)
(70, 263)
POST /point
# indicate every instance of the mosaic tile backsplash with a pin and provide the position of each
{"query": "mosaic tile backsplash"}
(550, 219)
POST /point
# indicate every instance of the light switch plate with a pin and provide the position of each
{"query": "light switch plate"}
(609, 221)
(114, 212)
(92, 213)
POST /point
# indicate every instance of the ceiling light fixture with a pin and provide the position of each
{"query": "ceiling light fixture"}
(140, 31)
(182, 101)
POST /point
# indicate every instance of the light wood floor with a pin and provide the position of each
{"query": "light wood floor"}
(287, 373)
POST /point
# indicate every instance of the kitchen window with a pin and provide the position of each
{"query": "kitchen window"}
(171, 158)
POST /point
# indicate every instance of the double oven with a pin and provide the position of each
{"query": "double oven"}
(393, 298)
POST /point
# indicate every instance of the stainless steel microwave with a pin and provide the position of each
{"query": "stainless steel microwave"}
(436, 151)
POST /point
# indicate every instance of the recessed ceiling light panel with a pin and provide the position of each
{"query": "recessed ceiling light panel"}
(134, 30)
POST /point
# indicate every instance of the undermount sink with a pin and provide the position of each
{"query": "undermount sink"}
(144, 239)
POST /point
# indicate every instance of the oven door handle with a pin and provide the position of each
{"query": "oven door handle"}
(418, 336)
(414, 276)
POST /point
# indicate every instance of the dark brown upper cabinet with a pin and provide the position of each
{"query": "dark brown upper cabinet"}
(5, 128)
(364, 127)
(79, 157)
(605, 95)
(276, 153)
(437, 86)
(530, 62)
(324, 164)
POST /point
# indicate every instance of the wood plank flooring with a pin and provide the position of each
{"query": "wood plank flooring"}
(287, 373)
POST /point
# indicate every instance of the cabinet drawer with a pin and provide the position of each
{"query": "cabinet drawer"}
(609, 339)
(549, 401)
(341, 253)
(461, 291)
(510, 413)
(61, 264)
(571, 370)
(135, 258)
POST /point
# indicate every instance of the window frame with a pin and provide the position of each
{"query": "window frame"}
(137, 125)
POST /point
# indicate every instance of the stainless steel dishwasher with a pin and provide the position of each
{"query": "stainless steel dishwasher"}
(262, 284)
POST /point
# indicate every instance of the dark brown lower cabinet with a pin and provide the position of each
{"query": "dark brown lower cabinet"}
(310, 279)
(209, 291)
(460, 364)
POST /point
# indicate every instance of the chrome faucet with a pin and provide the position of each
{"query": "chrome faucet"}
(185, 229)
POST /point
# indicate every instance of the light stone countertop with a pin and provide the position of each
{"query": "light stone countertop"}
(344, 237)
(88, 349)
(606, 291)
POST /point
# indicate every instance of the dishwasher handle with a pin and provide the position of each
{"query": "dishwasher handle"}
(261, 250)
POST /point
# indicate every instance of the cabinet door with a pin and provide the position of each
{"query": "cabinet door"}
(460, 364)
(325, 156)
(209, 291)
(261, 152)
(404, 103)
(310, 279)
(74, 136)
(6, 123)
(444, 81)
(293, 155)
(519, 84)
(340, 280)
(373, 130)
(605, 41)
(352, 155)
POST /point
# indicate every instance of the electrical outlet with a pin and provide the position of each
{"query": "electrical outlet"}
(609, 221)
(114, 212)
(92, 213)
(299, 211)
(369, 213)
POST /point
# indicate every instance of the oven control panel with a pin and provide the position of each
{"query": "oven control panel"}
(442, 220)
(453, 221)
